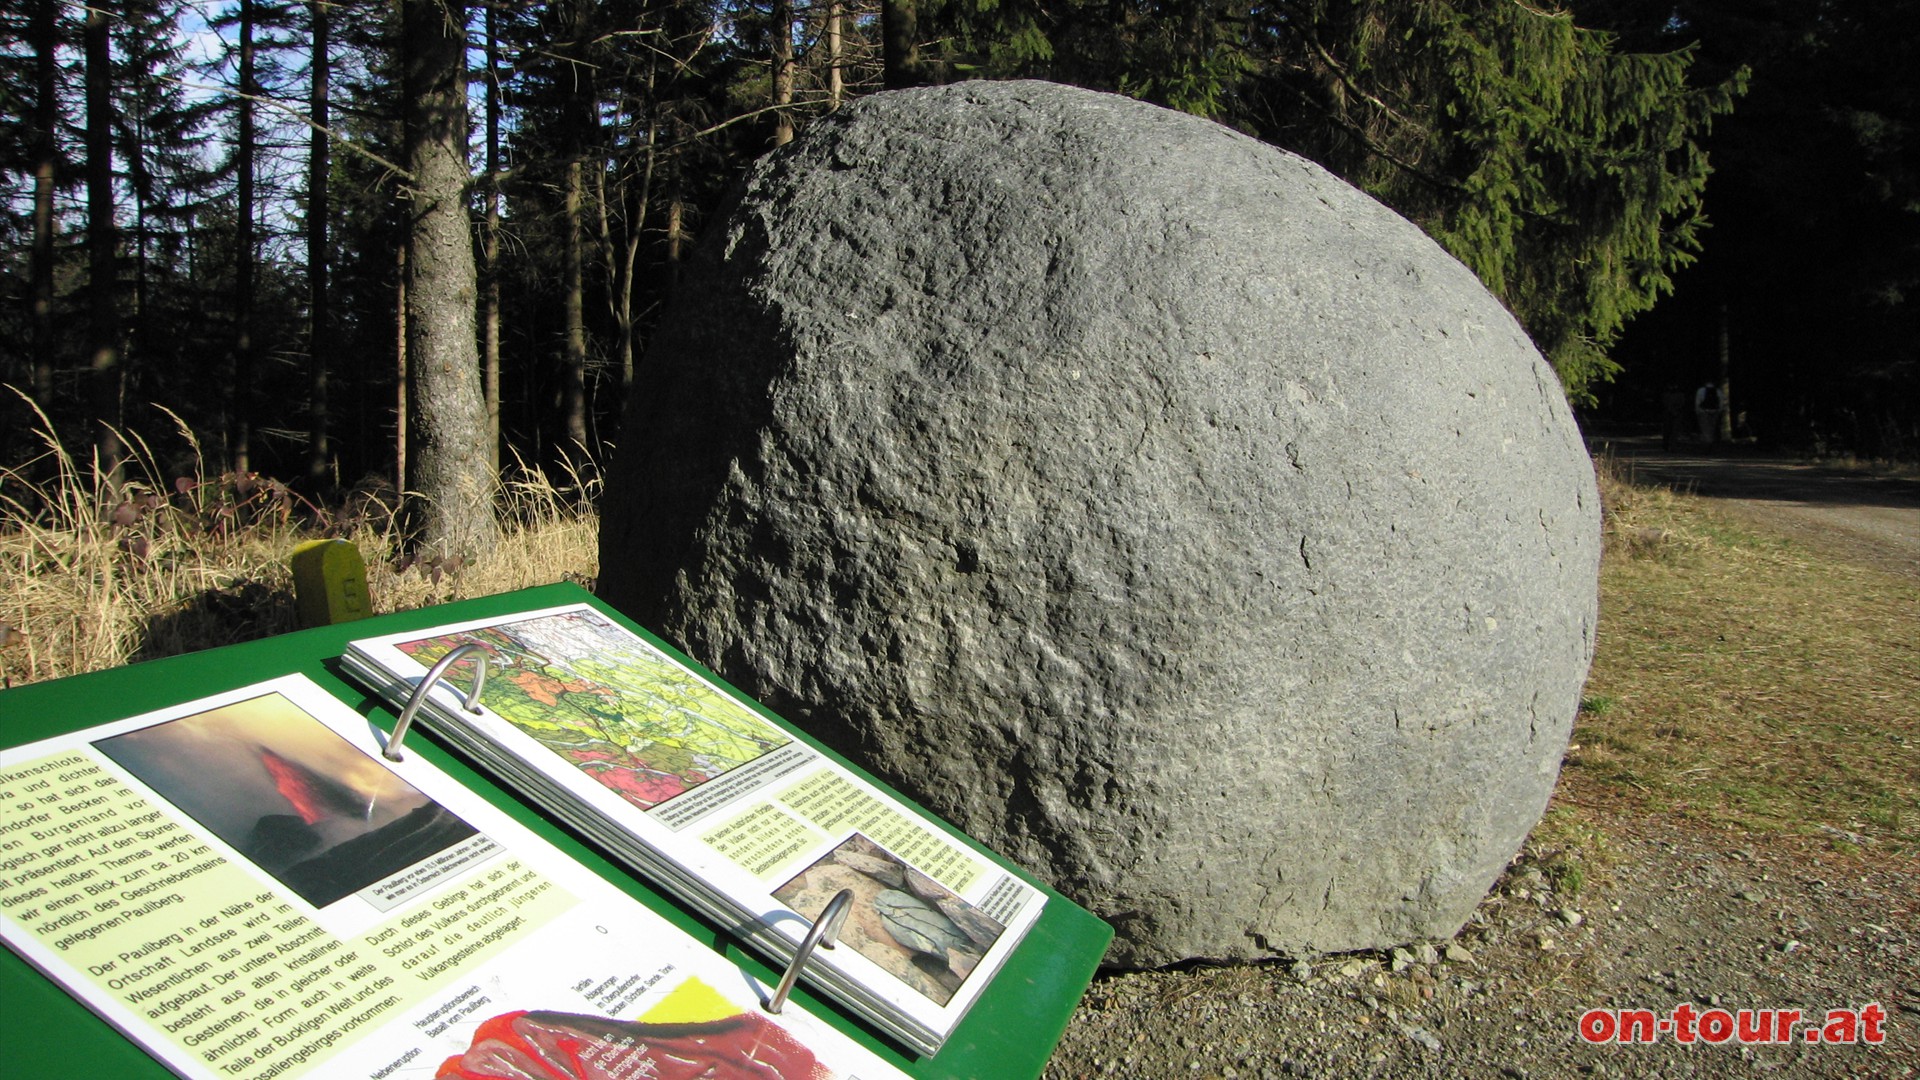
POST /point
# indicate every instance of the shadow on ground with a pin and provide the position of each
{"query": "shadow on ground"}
(1738, 472)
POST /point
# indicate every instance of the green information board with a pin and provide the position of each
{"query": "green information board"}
(1010, 1033)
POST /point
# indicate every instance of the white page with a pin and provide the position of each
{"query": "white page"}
(244, 887)
(638, 740)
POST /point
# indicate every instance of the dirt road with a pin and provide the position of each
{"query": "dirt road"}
(1871, 516)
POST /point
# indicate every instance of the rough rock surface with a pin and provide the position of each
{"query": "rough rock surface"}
(1161, 510)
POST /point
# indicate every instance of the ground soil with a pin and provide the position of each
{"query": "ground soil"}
(1674, 914)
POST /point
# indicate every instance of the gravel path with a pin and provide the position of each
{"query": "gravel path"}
(1711, 922)
(1865, 515)
(1689, 919)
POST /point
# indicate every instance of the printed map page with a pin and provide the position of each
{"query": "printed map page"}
(609, 703)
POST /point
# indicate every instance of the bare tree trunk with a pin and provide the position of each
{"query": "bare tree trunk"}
(620, 269)
(623, 312)
(103, 240)
(490, 251)
(240, 388)
(782, 31)
(452, 472)
(46, 115)
(618, 266)
(620, 273)
(836, 54)
(400, 368)
(574, 365)
(319, 334)
(676, 234)
(579, 121)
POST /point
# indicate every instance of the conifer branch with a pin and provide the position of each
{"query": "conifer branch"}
(343, 141)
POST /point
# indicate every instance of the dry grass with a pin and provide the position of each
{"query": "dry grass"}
(1744, 680)
(95, 574)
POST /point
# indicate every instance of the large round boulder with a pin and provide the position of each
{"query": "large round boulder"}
(1145, 500)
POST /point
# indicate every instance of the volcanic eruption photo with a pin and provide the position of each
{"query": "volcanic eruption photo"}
(319, 815)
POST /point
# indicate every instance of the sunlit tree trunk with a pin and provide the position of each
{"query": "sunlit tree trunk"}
(781, 30)
(490, 250)
(836, 54)
(574, 364)
(400, 367)
(676, 235)
(452, 470)
(622, 252)
(622, 274)
(578, 121)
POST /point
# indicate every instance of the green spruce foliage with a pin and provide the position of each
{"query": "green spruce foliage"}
(1567, 174)
(1564, 171)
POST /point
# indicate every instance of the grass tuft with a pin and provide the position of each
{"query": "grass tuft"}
(1569, 852)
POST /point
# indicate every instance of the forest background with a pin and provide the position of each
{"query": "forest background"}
(390, 245)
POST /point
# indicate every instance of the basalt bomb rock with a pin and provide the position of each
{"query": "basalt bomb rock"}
(1144, 499)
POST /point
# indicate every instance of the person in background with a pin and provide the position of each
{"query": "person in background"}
(1706, 410)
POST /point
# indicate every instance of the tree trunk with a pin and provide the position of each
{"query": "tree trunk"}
(676, 234)
(638, 207)
(451, 466)
(103, 241)
(490, 251)
(578, 143)
(620, 273)
(900, 44)
(836, 55)
(574, 365)
(319, 334)
(781, 30)
(400, 368)
(240, 413)
(46, 157)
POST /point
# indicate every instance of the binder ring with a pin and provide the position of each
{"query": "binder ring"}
(472, 703)
(826, 929)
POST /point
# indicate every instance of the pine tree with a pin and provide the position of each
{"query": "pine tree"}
(160, 134)
(1567, 175)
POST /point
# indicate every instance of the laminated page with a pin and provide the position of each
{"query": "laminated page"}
(721, 802)
(246, 888)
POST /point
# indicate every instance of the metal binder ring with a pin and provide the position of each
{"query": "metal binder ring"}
(826, 929)
(472, 703)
